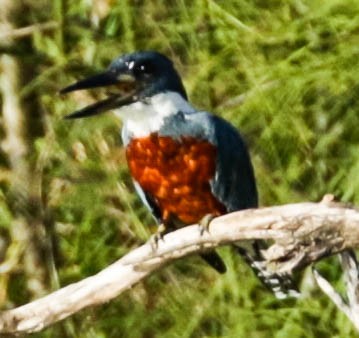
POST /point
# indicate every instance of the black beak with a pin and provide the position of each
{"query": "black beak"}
(125, 83)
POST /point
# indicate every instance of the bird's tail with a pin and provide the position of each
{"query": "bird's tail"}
(281, 284)
(214, 260)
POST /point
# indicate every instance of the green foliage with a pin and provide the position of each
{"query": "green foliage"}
(284, 72)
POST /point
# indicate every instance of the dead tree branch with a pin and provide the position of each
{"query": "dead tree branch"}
(302, 234)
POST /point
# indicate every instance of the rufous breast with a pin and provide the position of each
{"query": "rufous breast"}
(176, 173)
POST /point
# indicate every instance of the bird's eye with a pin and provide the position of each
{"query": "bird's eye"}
(143, 68)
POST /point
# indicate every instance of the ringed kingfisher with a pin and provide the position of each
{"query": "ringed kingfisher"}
(187, 165)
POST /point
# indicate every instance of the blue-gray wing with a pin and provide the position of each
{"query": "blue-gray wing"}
(234, 182)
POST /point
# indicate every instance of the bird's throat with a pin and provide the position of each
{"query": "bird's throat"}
(146, 116)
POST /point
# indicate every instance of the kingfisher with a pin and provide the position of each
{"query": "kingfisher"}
(187, 165)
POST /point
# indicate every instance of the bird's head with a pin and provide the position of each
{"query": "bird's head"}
(130, 78)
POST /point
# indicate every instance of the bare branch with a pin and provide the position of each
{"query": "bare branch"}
(302, 234)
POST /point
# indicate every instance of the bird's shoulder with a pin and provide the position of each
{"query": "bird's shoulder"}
(234, 181)
(200, 124)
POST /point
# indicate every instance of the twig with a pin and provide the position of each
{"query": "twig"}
(300, 233)
(17, 33)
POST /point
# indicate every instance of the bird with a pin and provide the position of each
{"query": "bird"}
(187, 165)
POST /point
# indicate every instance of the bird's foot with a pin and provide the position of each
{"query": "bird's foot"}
(205, 222)
(155, 238)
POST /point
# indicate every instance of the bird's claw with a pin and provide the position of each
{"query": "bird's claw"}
(204, 223)
(155, 238)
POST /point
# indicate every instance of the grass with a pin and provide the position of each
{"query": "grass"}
(284, 72)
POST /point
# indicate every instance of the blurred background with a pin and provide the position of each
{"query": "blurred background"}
(286, 73)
